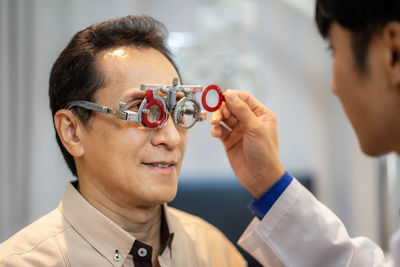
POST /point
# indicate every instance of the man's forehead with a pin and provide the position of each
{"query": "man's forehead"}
(124, 69)
(128, 63)
(119, 52)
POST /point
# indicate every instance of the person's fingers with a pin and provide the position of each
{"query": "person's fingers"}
(223, 115)
(255, 105)
(231, 122)
(216, 131)
(253, 102)
(216, 117)
(240, 107)
(234, 137)
(228, 137)
(227, 116)
(225, 111)
(220, 132)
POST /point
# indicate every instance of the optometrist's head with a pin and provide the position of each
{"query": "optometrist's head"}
(365, 40)
(106, 64)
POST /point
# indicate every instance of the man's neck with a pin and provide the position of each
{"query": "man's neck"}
(143, 222)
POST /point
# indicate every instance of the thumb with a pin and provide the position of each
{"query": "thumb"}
(240, 109)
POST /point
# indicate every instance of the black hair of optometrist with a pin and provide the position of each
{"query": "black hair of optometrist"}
(74, 75)
(362, 18)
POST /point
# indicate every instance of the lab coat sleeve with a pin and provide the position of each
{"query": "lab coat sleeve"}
(299, 230)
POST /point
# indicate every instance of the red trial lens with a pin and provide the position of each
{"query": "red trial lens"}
(212, 98)
(156, 114)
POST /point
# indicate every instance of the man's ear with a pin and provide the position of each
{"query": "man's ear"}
(391, 34)
(70, 130)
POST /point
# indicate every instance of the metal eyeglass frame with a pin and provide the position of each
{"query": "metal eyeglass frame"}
(166, 105)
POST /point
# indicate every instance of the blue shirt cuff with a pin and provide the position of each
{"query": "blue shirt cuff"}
(260, 206)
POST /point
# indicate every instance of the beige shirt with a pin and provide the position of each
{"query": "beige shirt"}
(77, 234)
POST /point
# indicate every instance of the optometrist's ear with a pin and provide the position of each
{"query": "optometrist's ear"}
(70, 130)
(391, 35)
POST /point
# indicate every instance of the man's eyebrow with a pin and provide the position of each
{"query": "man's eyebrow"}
(141, 94)
(133, 95)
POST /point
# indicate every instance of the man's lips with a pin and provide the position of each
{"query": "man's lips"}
(161, 167)
(161, 164)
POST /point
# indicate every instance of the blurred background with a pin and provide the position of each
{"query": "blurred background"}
(270, 48)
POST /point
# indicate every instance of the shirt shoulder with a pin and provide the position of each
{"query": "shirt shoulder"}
(212, 246)
(192, 221)
(36, 244)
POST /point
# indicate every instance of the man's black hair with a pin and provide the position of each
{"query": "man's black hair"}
(363, 18)
(75, 76)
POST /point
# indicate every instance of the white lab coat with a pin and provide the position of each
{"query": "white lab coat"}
(299, 230)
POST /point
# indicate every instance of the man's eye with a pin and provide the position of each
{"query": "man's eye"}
(135, 105)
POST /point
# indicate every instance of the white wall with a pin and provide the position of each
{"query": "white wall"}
(265, 47)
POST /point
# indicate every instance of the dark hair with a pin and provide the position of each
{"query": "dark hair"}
(75, 76)
(363, 19)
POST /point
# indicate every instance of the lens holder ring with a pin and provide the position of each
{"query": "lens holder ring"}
(179, 106)
(204, 97)
(158, 101)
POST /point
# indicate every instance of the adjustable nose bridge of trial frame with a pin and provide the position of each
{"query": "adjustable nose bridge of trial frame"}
(172, 94)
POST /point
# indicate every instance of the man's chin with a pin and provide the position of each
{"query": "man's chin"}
(160, 198)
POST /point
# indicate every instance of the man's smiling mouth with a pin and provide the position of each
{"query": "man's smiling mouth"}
(160, 164)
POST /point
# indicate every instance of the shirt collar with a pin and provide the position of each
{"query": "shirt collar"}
(166, 235)
(101, 232)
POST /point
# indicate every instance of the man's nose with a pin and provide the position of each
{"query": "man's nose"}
(170, 135)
